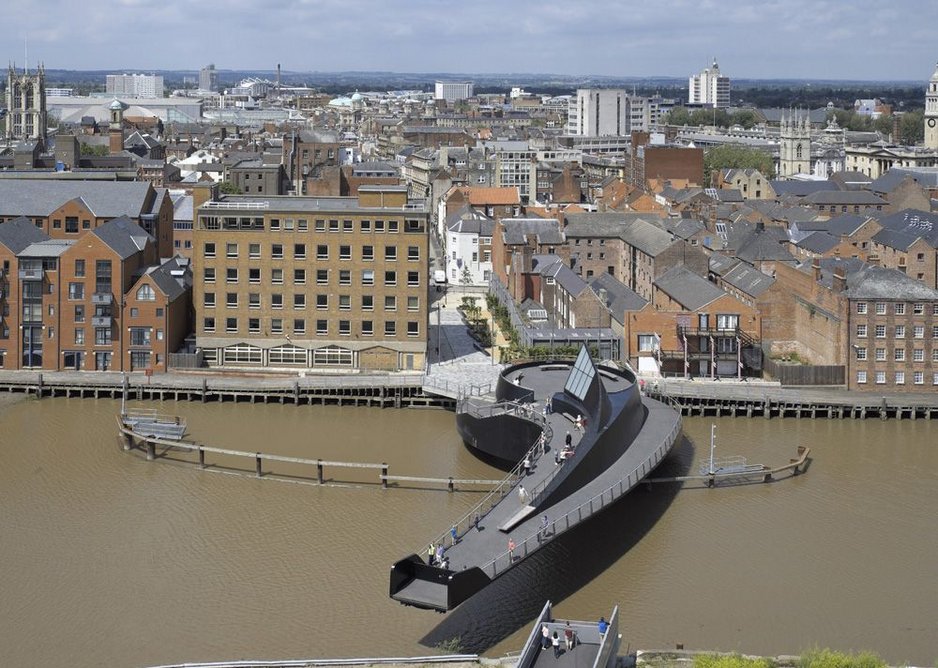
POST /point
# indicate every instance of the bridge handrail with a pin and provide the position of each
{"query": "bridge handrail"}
(564, 522)
(514, 475)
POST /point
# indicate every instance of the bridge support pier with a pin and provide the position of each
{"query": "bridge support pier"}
(151, 451)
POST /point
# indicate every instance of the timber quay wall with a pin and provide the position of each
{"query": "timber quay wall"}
(727, 399)
(404, 391)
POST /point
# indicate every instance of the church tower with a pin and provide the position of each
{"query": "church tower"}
(116, 127)
(794, 156)
(931, 112)
(26, 105)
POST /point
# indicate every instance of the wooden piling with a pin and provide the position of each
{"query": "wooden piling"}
(258, 465)
(384, 475)
(151, 450)
(202, 458)
(319, 471)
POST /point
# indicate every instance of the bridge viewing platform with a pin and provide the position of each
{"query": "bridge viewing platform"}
(623, 437)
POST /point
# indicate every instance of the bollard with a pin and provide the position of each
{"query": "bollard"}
(257, 465)
(450, 485)
(151, 451)
(128, 441)
(201, 457)
(319, 470)
(384, 475)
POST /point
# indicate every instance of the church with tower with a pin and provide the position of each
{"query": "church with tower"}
(26, 106)
(794, 156)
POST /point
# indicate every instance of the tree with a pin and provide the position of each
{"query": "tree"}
(466, 278)
(734, 156)
(228, 188)
(94, 149)
(912, 127)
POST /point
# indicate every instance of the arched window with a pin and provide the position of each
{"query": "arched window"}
(146, 294)
(798, 152)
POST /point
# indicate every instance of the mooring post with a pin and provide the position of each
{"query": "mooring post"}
(151, 450)
(296, 392)
(257, 465)
(882, 411)
(204, 390)
(39, 387)
(384, 475)
(128, 441)
(450, 485)
(319, 471)
(201, 457)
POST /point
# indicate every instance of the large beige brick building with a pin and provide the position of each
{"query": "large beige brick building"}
(324, 283)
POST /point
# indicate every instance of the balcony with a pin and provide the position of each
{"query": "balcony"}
(103, 298)
(101, 320)
(31, 274)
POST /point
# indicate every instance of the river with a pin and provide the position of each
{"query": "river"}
(108, 559)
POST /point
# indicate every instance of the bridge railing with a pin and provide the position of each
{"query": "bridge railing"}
(481, 509)
(582, 512)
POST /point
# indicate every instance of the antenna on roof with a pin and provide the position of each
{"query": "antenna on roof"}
(25, 54)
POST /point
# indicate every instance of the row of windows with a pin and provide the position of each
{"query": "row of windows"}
(76, 291)
(367, 302)
(232, 275)
(899, 354)
(293, 355)
(299, 251)
(879, 377)
(898, 308)
(302, 225)
(276, 326)
(899, 331)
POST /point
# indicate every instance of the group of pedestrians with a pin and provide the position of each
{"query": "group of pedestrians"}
(553, 640)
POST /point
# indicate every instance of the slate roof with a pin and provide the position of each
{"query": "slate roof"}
(720, 264)
(19, 233)
(801, 188)
(106, 199)
(545, 230)
(545, 264)
(634, 229)
(872, 282)
(123, 236)
(897, 239)
(818, 242)
(914, 223)
(761, 246)
(747, 279)
(619, 297)
(687, 288)
(569, 281)
(483, 226)
(848, 197)
(170, 285)
(47, 248)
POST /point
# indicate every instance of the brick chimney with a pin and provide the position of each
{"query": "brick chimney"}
(816, 265)
(839, 280)
(202, 193)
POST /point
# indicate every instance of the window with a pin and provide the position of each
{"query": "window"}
(71, 225)
(276, 325)
(322, 252)
(322, 276)
(368, 328)
(299, 251)
(861, 377)
(254, 250)
(76, 290)
(333, 226)
(880, 377)
(379, 226)
(208, 275)
(861, 331)
(368, 277)
(134, 312)
(254, 300)
(80, 313)
(275, 223)
(413, 328)
(209, 249)
(861, 308)
(79, 268)
(254, 325)
(880, 309)
(861, 354)
(880, 331)
(254, 275)
(299, 300)
(899, 354)
(299, 326)
(102, 336)
(208, 325)
(900, 377)
(899, 308)
(413, 253)
(918, 309)
(231, 275)
(322, 327)
(302, 225)
(392, 226)
(276, 276)
(900, 331)
(365, 226)
(345, 328)
(320, 225)
(346, 224)
(231, 250)
(243, 354)
(231, 300)
(231, 324)
(345, 252)
(146, 293)
(918, 355)
(333, 355)
(368, 253)
(880, 354)
(209, 299)
(139, 336)
(345, 302)
(102, 274)
(413, 303)
(934, 331)
(345, 276)
(390, 253)
(390, 303)
(919, 331)
(322, 302)
(368, 303)
(390, 328)
(80, 336)
(390, 278)
(918, 377)
(299, 277)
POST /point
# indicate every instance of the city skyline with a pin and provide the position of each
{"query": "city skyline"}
(797, 39)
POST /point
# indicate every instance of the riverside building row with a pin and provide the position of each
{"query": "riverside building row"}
(312, 282)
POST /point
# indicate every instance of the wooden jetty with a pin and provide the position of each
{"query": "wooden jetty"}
(794, 467)
(132, 439)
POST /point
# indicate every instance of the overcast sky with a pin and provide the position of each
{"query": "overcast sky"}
(838, 39)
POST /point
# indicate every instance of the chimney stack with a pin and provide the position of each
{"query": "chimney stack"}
(840, 280)
(816, 265)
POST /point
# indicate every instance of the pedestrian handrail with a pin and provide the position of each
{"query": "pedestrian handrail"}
(492, 499)
(586, 509)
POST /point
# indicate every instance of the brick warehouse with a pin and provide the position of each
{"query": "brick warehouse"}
(330, 283)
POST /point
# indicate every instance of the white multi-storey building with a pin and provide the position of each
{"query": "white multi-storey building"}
(709, 88)
(598, 112)
(135, 85)
(453, 91)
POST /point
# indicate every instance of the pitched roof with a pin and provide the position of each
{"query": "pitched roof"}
(872, 282)
(746, 278)
(818, 242)
(172, 277)
(687, 288)
(494, 196)
(568, 280)
(123, 236)
(801, 188)
(846, 197)
(545, 230)
(105, 199)
(760, 246)
(898, 239)
(619, 297)
(19, 233)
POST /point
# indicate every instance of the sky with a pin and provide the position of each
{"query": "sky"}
(761, 39)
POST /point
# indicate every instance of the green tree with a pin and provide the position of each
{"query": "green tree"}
(747, 118)
(94, 149)
(911, 127)
(734, 156)
(678, 116)
(228, 188)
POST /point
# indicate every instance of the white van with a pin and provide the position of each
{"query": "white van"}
(439, 277)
